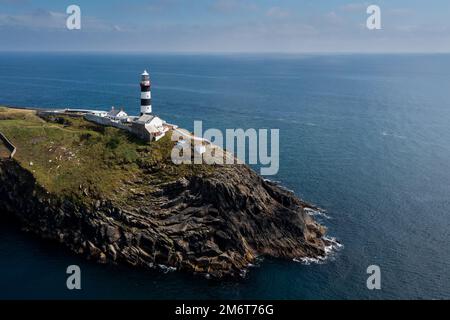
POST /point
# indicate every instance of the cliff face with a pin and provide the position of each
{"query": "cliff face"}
(215, 224)
(112, 198)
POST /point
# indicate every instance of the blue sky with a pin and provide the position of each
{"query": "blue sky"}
(226, 26)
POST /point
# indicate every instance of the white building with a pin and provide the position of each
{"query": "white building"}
(99, 113)
(117, 114)
(149, 127)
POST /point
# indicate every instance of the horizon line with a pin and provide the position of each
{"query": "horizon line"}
(227, 52)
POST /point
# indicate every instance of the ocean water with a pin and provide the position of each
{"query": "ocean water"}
(366, 137)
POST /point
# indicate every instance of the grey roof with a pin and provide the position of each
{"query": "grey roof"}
(115, 112)
(146, 118)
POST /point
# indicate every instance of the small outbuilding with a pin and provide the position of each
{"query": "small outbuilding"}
(149, 127)
(117, 114)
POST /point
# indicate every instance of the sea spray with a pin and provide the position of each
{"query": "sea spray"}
(332, 247)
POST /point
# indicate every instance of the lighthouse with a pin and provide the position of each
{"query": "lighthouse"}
(146, 95)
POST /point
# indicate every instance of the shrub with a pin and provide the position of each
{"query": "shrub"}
(85, 136)
(113, 143)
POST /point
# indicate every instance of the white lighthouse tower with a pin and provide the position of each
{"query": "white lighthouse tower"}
(146, 95)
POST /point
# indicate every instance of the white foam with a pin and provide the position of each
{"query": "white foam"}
(272, 181)
(334, 245)
(316, 212)
(279, 185)
(330, 251)
(307, 260)
(166, 269)
(386, 134)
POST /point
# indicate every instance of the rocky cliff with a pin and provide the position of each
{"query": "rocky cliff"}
(215, 225)
(214, 222)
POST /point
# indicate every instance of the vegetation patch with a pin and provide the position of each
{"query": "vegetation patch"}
(70, 156)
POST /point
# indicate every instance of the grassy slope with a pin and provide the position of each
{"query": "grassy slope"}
(77, 158)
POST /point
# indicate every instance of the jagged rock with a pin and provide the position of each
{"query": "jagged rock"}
(112, 234)
(215, 224)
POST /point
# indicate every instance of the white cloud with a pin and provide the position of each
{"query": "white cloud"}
(51, 20)
(333, 18)
(400, 12)
(37, 19)
(277, 12)
(14, 2)
(233, 6)
(354, 7)
(257, 28)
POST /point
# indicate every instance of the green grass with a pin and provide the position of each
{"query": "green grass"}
(69, 156)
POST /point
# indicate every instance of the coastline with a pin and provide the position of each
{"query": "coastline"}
(214, 222)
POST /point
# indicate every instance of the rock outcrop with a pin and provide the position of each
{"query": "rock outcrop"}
(215, 224)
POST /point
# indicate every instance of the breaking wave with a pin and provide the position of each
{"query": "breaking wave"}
(389, 134)
(330, 252)
(316, 213)
(166, 269)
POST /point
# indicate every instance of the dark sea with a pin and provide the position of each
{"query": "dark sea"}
(366, 137)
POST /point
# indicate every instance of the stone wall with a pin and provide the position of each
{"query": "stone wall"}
(107, 122)
(8, 145)
(136, 129)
